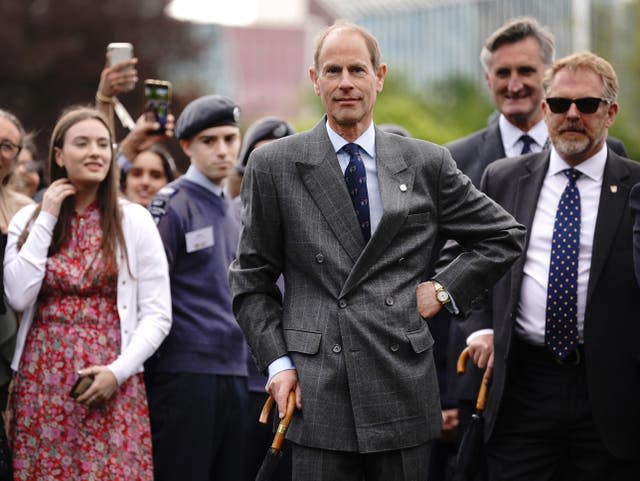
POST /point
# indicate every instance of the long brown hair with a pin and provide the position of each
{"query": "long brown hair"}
(106, 197)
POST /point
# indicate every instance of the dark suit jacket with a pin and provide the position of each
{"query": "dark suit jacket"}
(611, 325)
(634, 203)
(473, 154)
(476, 151)
(348, 319)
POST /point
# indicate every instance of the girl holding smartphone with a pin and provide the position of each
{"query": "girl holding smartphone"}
(89, 273)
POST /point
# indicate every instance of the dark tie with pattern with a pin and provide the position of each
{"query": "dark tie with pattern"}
(526, 143)
(561, 328)
(356, 178)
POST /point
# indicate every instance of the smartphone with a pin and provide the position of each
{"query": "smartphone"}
(119, 52)
(80, 386)
(157, 100)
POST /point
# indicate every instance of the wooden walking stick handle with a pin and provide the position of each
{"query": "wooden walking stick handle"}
(481, 401)
(278, 439)
(462, 359)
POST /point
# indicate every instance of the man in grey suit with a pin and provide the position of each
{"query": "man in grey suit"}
(350, 215)
(564, 400)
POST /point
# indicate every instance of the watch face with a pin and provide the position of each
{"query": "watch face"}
(442, 296)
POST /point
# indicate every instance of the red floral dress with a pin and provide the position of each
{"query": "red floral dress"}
(76, 325)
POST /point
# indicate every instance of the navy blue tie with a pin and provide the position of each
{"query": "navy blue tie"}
(526, 143)
(561, 328)
(356, 178)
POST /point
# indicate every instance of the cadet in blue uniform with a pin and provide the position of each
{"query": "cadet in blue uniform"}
(197, 381)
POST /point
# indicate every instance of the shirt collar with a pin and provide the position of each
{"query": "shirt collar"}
(593, 167)
(511, 134)
(197, 177)
(367, 141)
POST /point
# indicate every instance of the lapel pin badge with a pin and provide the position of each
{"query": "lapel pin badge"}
(614, 188)
(403, 187)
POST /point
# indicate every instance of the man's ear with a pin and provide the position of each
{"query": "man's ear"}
(313, 75)
(185, 144)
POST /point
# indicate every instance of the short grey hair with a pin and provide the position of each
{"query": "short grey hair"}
(515, 30)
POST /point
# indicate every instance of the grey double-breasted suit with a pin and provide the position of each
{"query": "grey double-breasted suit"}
(348, 319)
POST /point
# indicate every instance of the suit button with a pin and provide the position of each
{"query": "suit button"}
(337, 348)
(342, 303)
(389, 301)
(401, 260)
(394, 347)
(319, 258)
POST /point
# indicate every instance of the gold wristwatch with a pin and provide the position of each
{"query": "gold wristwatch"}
(442, 295)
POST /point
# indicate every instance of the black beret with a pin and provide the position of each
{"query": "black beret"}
(268, 128)
(206, 112)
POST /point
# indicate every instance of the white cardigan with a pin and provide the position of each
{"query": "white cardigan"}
(143, 298)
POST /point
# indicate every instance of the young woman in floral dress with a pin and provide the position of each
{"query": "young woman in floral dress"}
(89, 273)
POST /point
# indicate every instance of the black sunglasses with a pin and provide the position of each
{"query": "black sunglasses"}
(586, 105)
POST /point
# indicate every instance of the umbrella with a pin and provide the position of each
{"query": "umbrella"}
(274, 453)
(470, 461)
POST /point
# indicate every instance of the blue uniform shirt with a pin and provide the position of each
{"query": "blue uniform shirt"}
(200, 236)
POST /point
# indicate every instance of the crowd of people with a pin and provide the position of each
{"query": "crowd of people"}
(148, 314)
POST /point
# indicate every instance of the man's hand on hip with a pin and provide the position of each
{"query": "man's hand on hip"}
(428, 305)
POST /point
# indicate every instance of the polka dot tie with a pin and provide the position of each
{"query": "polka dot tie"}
(526, 143)
(561, 329)
(356, 178)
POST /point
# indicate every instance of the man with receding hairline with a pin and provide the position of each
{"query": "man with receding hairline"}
(349, 215)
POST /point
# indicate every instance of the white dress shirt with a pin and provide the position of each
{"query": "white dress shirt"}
(511, 137)
(531, 312)
(367, 143)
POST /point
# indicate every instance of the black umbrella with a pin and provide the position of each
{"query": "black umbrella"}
(470, 461)
(274, 453)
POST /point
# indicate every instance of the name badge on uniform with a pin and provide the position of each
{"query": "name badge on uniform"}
(199, 239)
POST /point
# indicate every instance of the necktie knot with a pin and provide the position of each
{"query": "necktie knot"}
(526, 140)
(572, 174)
(351, 149)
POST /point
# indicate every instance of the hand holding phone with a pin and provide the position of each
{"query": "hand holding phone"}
(118, 52)
(80, 386)
(157, 101)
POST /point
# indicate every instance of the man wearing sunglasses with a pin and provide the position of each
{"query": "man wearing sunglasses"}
(565, 393)
(514, 58)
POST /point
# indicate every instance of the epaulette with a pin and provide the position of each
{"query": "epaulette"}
(158, 206)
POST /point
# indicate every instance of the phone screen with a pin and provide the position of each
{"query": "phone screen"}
(157, 96)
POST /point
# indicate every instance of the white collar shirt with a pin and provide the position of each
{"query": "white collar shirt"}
(367, 144)
(511, 137)
(531, 311)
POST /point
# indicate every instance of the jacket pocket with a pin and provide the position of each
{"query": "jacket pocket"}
(418, 218)
(420, 340)
(306, 342)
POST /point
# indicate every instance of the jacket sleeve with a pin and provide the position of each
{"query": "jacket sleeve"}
(489, 237)
(257, 301)
(153, 293)
(24, 269)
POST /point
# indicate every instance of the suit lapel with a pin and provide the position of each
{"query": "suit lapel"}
(321, 175)
(392, 174)
(525, 205)
(613, 200)
(492, 148)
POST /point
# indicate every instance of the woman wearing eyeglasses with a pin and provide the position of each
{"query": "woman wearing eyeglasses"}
(11, 138)
(89, 271)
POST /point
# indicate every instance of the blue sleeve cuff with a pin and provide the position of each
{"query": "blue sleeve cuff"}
(281, 364)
